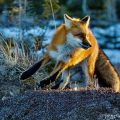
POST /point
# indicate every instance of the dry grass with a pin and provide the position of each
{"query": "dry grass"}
(14, 59)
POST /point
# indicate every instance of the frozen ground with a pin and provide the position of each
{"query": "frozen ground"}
(84, 104)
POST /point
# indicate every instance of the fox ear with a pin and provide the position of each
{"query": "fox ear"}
(67, 21)
(86, 19)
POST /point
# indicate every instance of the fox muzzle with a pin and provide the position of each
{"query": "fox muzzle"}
(85, 45)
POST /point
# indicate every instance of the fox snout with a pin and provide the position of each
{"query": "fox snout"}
(86, 45)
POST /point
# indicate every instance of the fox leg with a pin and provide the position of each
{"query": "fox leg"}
(65, 70)
(88, 67)
(65, 78)
(84, 65)
(57, 85)
(88, 71)
(53, 76)
(91, 75)
(91, 70)
(35, 67)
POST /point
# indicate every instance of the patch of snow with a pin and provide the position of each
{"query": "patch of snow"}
(113, 55)
(111, 31)
(16, 32)
(97, 30)
(48, 35)
(57, 23)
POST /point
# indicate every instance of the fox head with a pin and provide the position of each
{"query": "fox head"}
(77, 31)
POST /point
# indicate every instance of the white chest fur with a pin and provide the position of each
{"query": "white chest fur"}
(64, 51)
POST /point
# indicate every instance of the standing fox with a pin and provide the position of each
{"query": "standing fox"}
(72, 44)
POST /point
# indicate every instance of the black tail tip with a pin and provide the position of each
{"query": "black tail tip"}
(22, 76)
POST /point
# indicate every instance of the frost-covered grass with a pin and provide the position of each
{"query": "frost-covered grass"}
(84, 104)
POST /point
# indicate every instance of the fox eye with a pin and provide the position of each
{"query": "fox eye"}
(80, 35)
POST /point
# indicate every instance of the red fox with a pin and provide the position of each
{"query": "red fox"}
(72, 44)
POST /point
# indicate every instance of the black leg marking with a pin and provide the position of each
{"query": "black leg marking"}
(31, 70)
(57, 85)
(48, 80)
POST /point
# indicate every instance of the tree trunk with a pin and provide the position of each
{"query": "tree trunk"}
(111, 10)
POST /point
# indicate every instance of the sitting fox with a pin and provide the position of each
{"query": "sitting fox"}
(72, 44)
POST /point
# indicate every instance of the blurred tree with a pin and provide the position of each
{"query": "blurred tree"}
(85, 8)
(111, 10)
(34, 8)
(50, 7)
(2, 1)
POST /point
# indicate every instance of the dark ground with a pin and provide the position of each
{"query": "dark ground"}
(90, 104)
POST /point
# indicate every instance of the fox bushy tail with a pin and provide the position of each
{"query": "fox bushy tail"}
(106, 73)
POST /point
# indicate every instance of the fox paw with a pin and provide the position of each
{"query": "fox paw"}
(57, 85)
